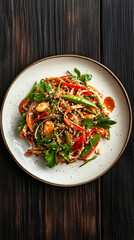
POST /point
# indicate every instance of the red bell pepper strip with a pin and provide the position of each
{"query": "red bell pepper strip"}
(80, 143)
(66, 77)
(40, 117)
(102, 131)
(76, 139)
(73, 85)
(22, 105)
(70, 85)
(69, 122)
(73, 125)
(29, 120)
(77, 146)
(86, 92)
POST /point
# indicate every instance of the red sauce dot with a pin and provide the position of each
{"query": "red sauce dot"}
(109, 103)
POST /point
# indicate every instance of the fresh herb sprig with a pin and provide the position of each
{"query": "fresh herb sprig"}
(103, 122)
(43, 87)
(84, 78)
(88, 123)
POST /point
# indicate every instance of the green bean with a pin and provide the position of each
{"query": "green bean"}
(31, 91)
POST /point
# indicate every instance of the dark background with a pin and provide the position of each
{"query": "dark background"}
(99, 29)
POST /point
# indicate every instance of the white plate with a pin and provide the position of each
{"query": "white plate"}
(67, 175)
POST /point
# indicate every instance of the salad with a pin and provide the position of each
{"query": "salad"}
(64, 118)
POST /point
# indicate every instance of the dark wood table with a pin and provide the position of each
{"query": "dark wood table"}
(99, 29)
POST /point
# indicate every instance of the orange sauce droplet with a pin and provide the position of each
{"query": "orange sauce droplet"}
(109, 103)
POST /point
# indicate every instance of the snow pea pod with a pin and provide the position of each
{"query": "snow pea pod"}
(88, 149)
(79, 100)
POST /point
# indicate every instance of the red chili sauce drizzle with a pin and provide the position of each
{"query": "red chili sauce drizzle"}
(109, 103)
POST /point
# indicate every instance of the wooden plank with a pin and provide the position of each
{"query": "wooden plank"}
(118, 184)
(32, 30)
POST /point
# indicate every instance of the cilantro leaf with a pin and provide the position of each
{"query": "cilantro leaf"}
(22, 121)
(40, 97)
(67, 147)
(41, 86)
(105, 123)
(65, 151)
(88, 123)
(50, 158)
(44, 87)
(48, 87)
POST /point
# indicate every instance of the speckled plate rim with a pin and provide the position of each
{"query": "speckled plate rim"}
(125, 94)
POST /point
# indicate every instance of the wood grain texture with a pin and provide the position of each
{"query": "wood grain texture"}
(102, 30)
(31, 30)
(118, 184)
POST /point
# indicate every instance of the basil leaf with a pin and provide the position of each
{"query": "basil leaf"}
(22, 121)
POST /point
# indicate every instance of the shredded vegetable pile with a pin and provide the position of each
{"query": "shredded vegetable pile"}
(63, 119)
